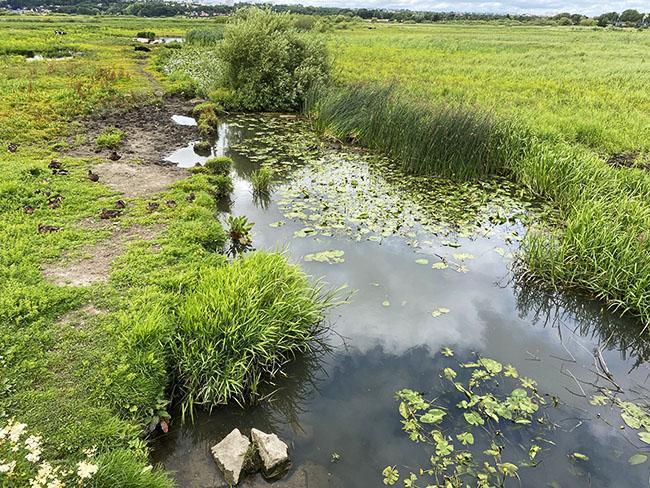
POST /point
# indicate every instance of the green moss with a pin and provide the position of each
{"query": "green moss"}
(110, 138)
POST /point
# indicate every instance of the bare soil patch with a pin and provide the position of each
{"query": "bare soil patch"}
(79, 317)
(96, 267)
(150, 132)
(134, 180)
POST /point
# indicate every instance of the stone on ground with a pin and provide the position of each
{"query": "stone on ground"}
(230, 455)
(273, 452)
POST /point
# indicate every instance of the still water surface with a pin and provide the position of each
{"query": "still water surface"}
(385, 339)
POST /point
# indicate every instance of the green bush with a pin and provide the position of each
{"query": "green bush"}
(220, 165)
(146, 35)
(221, 185)
(268, 63)
(204, 37)
(240, 325)
(110, 138)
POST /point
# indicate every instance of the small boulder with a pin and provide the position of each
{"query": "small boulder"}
(273, 452)
(230, 455)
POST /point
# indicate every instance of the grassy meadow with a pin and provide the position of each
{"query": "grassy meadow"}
(90, 369)
(573, 84)
(86, 372)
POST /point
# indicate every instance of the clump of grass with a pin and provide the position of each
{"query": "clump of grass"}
(239, 230)
(202, 147)
(110, 138)
(425, 138)
(221, 165)
(204, 37)
(240, 325)
(221, 185)
(261, 180)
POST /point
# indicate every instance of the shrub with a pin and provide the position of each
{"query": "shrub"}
(146, 35)
(240, 325)
(220, 165)
(261, 181)
(221, 185)
(204, 37)
(110, 138)
(268, 63)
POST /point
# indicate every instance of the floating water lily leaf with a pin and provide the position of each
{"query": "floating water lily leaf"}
(473, 418)
(391, 475)
(580, 456)
(631, 421)
(511, 371)
(332, 256)
(439, 311)
(463, 256)
(492, 366)
(446, 351)
(449, 373)
(645, 437)
(637, 459)
(386, 303)
(598, 400)
(433, 416)
(303, 232)
(279, 223)
(439, 265)
(532, 452)
(466, 438)
(422, 261)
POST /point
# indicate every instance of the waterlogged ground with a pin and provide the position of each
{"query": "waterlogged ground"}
(430, 264)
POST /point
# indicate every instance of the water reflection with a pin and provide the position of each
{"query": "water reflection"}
(387, 339)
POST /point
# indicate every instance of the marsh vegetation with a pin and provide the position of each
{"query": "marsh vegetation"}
(414, 183)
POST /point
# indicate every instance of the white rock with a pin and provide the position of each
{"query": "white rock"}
(230, 455)
(273, 452)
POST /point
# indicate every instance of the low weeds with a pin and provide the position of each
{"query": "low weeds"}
(240, 325)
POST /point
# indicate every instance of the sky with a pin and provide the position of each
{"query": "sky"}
(587, 7)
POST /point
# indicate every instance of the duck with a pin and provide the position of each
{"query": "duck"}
(28, 209)
(170, 203)
(109, 214)
(12, 147)
(120, 204)
(47, 229)
(93, 176)
(114, 156)
(151, 206)
(54, 164)
(55, 201)
(60, 172)
(190, 197)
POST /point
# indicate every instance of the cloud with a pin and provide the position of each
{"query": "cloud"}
(543, 7)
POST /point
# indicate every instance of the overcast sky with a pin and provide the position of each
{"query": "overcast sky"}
(587, 7)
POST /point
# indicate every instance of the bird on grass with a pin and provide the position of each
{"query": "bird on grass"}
(152, 206)
(170, 203)
(190, 197)
(120, 204)
(114, 156)
(12, 147)
(93, 176)
(55, 201)
(54, 164)
(28, 209)
(106, 214)
(47, 229)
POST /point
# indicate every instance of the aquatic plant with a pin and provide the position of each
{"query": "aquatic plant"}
(239, 230)
(482, 416)
(110, 138)
(262, 181)
(237, 328)
(205, 37)
(268, 63)
(220, 165)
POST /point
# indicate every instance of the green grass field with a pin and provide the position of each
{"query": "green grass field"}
(573, 84)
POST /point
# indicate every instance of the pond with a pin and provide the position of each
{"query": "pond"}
(431, 266)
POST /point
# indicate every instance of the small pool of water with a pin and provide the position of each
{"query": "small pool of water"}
(184, 120)
(394, 232)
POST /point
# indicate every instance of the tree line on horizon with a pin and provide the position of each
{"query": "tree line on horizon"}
(161, 8)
